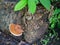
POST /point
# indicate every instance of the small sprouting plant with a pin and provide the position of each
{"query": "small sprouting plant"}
(55, 19)
(32, 5)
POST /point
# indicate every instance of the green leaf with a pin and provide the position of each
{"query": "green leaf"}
(52, 25)
(56, 11)
(51, 20)
(59, 16)
(46, 4)
(32, 6)
(36, 1)
(21, 4)
(58, 24)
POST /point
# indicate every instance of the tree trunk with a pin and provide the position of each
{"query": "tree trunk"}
(34, 25)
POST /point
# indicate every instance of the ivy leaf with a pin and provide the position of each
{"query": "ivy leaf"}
(32, 6)
(21, 4)
(46, 4)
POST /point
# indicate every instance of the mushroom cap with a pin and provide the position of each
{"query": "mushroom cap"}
(15, 29)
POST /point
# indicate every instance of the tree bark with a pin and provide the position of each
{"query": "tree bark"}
(34, 25)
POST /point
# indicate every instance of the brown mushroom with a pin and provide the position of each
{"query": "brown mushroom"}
(15, 29)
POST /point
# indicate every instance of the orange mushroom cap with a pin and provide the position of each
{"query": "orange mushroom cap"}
(15, 29)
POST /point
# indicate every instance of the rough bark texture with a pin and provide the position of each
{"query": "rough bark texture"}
(8, 16)
(35, 25)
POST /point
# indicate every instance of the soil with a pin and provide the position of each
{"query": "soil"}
(7, 39)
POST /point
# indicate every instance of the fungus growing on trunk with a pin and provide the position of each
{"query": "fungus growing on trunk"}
(15, 29)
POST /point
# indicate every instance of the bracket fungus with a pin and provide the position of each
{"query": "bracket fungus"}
(15, 29)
